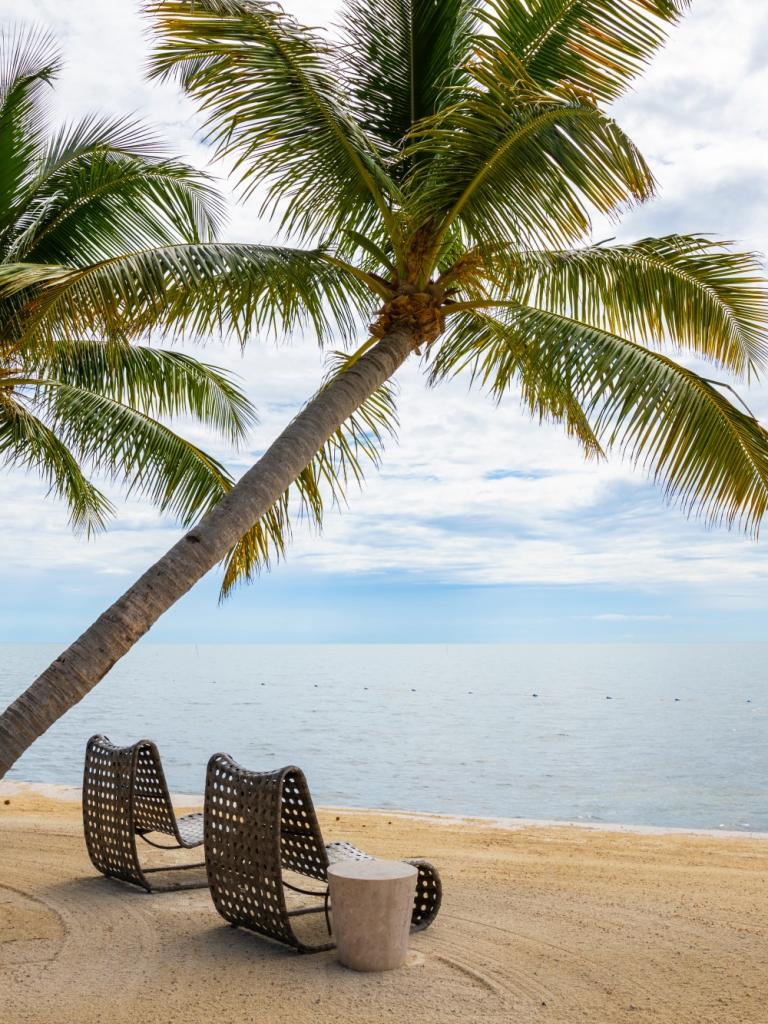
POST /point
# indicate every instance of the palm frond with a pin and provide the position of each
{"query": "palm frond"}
(498, 356)
(26, 442)
(20, 277)
(160, 383)
(685, 290)
(73, 145)
(341, 462)
(509, 163)
(104, 204)
(29, 61)
(121, 136)
(130, 447)
(201, 289)
(270, 92)
(709, 456)
(595, 45)
(400, 57)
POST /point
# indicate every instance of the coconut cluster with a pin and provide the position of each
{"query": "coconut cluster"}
(417, 311)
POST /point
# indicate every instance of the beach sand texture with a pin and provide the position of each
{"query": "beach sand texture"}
(539, 924)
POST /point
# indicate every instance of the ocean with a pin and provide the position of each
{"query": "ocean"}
(653, 734)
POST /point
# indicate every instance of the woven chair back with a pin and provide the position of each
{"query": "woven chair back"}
(152, 808)
(256, 825)
(108, 809)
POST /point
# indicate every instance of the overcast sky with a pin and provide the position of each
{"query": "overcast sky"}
(481, 526)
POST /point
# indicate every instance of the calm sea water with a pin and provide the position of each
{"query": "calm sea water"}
(669, 735)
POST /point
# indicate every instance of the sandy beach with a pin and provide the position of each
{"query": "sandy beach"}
(539, 923)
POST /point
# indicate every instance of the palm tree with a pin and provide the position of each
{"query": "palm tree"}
(92, 194)
(442, 162)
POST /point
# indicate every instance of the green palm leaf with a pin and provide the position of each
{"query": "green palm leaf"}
(160, 383)
(75, 397)
(131, 448)
(709, 456)
(199, 289)
(498, 356)
(269, 88)
(595, 45)
(69, 172)
(400, 57)
(17, 278)
(688, 291)
(104, 205)
(26, 442)
(29, 60)
(75, 141)
(507, 162)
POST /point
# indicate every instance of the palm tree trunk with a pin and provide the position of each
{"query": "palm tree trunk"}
(75, 672)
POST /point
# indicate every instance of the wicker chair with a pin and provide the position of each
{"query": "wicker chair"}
(125, 795)
(259, 824)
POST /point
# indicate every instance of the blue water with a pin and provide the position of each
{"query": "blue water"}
(682, 741)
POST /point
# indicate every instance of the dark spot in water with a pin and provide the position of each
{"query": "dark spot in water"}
(677, 699)
(534, 695)
(609, 698)
(6, 802)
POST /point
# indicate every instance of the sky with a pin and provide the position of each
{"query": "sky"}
(481, 526)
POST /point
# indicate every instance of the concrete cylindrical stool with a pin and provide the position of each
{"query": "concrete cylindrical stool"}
(372, 903)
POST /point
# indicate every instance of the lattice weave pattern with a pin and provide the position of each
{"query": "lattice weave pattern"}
(341, 851)
(107, 810)
(191, 829)
(151, 800)
(243, 815)
(301, 843)
(429, 895)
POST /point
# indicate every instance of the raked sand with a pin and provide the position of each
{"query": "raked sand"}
(539, 924)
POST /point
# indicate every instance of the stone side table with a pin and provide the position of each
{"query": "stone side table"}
(371, 906)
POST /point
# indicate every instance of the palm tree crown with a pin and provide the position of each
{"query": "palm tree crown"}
(75, 394)
(445, 159)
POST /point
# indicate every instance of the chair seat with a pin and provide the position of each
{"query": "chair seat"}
(191, 829)
(341, 851)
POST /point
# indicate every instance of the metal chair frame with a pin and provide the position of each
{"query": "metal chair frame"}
(125, 795)
(259, 825)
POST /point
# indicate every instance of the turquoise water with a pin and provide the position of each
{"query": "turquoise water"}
(667, 735)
